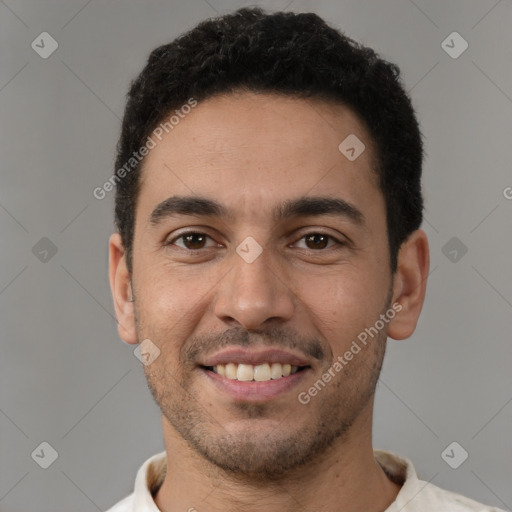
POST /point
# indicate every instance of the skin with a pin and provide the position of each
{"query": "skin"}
(251, 152)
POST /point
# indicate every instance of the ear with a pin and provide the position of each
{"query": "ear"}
(410, 284)
(120, 285)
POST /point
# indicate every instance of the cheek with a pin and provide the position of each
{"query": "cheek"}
(342, 304)
(170, 301)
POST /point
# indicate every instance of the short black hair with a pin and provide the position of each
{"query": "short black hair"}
(295, 54)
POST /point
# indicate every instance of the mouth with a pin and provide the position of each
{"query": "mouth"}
(247, 375)
(255, 373)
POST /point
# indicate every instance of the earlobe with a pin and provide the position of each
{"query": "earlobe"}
(409, 284)
(121, 288)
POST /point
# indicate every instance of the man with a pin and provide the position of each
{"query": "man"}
(268, 206)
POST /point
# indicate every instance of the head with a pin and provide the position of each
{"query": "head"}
(296, 249)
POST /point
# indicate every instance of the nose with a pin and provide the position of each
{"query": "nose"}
(254, 293)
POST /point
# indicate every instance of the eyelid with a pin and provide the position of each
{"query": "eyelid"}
(338, 240)
(178, 236)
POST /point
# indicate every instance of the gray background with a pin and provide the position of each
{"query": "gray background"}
(65, 376)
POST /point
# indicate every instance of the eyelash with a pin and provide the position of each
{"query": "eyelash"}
(182, 235)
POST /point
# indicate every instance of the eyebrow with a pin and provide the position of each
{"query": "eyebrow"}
(305, 206)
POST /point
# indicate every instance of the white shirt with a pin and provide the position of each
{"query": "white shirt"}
(414, 496)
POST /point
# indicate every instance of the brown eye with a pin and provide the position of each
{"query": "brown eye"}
(316, 241)
(192, 241)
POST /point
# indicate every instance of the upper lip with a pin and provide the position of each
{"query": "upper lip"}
(246, 356)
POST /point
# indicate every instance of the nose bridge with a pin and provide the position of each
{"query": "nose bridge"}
(253, 291)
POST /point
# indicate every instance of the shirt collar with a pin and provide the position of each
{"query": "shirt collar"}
(399, 469)
(147, 482)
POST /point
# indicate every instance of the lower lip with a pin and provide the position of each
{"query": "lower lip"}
(253, 391)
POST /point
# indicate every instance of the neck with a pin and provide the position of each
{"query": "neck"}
(346, 478)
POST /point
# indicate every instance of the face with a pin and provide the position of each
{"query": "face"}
(260, 255)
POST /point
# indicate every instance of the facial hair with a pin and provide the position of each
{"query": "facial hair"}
(248, 454)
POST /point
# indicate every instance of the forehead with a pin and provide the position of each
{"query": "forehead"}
(260, 149)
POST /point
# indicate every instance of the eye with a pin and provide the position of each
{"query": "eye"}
(317, 241)
(192, 240)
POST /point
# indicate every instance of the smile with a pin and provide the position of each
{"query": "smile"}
(258, 373)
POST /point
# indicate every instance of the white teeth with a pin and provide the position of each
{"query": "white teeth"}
(245, 372)
(259, 373)
(276, 371)
(231, 371)
(262, 372)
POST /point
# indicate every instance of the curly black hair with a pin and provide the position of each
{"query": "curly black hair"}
(295, 54)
